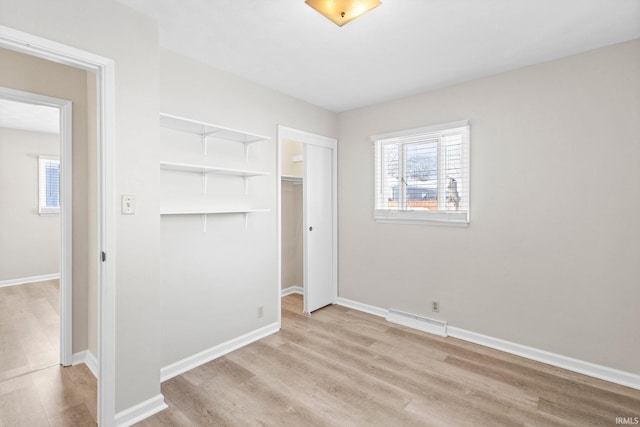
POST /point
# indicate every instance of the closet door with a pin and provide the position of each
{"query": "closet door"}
(318, 227)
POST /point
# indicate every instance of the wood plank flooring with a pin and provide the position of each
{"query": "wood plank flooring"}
(29, 327)
(341, 367)
(54, 396)
(34, 389)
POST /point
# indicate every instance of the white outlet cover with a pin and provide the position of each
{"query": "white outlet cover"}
(128, 204)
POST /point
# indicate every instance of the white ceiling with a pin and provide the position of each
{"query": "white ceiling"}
(23, 116)
(400, 48)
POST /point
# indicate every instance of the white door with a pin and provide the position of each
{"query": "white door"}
(318, 227)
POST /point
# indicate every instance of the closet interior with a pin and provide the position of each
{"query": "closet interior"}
(291, 161)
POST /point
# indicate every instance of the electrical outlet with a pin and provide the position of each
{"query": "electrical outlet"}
(260, 311)
(435, 306)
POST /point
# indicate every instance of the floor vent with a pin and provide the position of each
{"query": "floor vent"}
(432, 326)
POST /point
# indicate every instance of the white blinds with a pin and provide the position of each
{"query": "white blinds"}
(423, 174)
(48, 185)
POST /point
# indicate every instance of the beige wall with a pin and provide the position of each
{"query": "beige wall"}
(291, 203)
(292, 249)
(133, 45)
(213, 282)
(29, 242)
(550, 259)
(42, 77)
(288, 150)
(92, 218)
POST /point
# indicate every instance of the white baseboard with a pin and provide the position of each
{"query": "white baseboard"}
(139, 412)
(580, 366)
(212, 353)
(32, 279)
(376, 311)
(129, 416)
(292, 290)
(616, 376)
(88, 359)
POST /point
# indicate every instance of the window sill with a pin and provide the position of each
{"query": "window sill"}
(49, 211)
(444, 219)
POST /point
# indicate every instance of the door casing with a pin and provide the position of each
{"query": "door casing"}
(287, 133)
(104, 68)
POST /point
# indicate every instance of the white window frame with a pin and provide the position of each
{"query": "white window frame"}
(434, 217)
(43, 209)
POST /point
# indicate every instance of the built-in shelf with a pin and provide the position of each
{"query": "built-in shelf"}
(184, 167)
(204, 212)
(206, 130)
(211, 211)
(206, 170)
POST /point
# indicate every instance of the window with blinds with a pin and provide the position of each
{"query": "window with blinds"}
(422, 175)
(48, 185)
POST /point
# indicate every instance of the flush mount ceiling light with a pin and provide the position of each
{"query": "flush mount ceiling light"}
(343, 11)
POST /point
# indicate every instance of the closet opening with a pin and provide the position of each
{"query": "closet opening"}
(291, 186)
(307, 220)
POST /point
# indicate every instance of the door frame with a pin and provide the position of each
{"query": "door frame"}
(104, 68)
(287, 133)
(66, 219)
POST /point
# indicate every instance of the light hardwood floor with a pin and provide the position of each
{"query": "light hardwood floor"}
(29, 328)
(341, 367)
(34, 389)
(54, 396)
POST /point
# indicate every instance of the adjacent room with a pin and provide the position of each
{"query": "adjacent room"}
(30, 240)
(319, 212)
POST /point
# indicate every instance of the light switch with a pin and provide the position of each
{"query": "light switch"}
(128, 205)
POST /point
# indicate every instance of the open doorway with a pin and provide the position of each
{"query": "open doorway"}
(101, 140)
(31, 144)
(308, 218)
(35, 243)
(291, 208)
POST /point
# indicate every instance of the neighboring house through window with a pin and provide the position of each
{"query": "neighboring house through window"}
(422, 175)
(49, 185)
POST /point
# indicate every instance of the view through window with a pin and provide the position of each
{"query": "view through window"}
(423, 174)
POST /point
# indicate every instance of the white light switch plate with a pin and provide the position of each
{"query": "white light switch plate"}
(128, 205)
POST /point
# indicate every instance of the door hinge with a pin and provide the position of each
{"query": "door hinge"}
(104, 257)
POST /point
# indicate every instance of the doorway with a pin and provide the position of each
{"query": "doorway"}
(37, 218)
(104, 144)
(307, 166)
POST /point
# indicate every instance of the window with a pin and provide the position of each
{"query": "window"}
(49, 185)
(422, 175)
